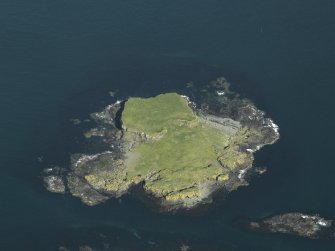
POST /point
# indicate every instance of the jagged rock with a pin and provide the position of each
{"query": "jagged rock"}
(309, 226)
(53, 179)
(54, 183)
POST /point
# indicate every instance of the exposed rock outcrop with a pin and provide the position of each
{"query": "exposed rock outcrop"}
(304, 225)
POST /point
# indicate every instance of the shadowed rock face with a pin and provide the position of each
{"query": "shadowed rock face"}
(179, 152)
(309, 226)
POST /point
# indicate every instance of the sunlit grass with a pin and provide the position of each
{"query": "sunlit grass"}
(185, 156)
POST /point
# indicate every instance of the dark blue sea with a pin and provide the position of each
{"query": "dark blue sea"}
(59, 59)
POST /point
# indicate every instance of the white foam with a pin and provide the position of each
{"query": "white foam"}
(189, 102)
(274, 126)
(253, 150)
(242, 172)
(86, 158)
(322, 222)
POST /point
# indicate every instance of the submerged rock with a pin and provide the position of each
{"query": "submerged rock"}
(123, 239)
(177, 151)
(309, 226)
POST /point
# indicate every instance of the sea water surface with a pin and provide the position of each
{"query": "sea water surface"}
(59, 59)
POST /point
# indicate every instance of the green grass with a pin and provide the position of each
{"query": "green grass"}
(152, 115)
(186, 155)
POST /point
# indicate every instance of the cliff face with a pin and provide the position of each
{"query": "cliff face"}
(178, 152)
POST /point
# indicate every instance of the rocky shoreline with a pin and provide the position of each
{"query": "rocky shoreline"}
(217, 106)
(311, 226)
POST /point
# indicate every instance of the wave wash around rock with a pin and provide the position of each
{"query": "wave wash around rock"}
(177, 152)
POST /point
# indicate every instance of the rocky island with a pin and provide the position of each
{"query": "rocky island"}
(177, 151)
(299, 224)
